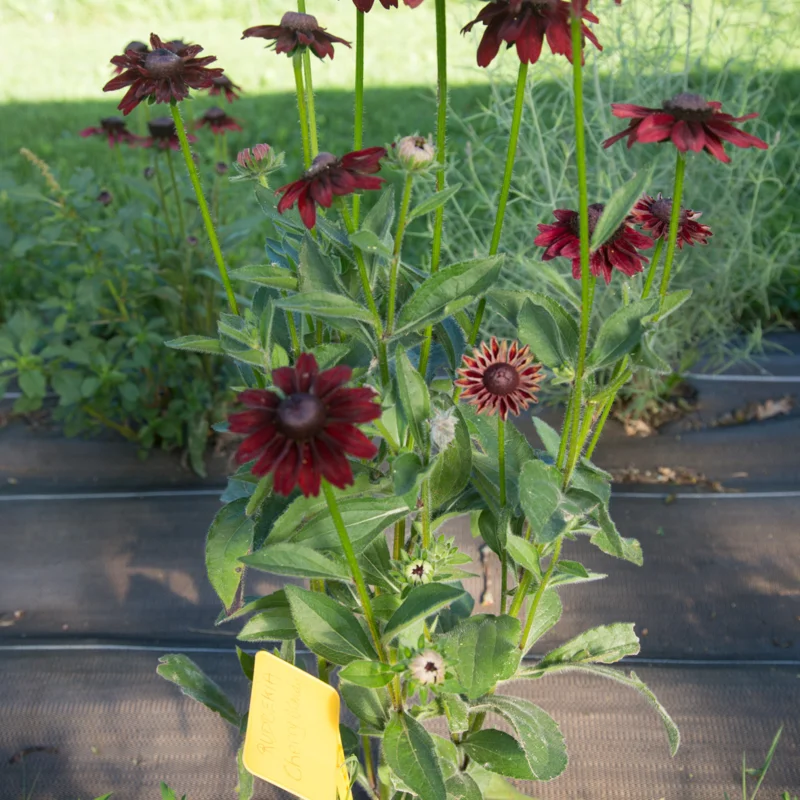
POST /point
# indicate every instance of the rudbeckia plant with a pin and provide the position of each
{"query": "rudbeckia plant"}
(376, 406)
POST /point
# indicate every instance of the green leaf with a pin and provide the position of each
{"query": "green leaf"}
(372, 674)
(365, 518)
(430, 302)
(462, 786)
(196, 344)
(266, 275)
(433, 202)
(498, 752)
(415, 401)
(246, 662)
(66, 384)
(538, 328)
(33, 383)
(229, 538)
(492, 785)
(328, 628)
(540, 496)
(537, 732)
(325, 304)
(620, 333)
(298, 561)
(547, 615)
(371, 706)
(672, 302)
(609, 540)
(457, 712)
(409, 751)
(452, 467)
(421, 602)
(551, 438)
(605, 644)
(371, 243)
(244, 789)
(273, 624)
(407, 471)
(482, 651)
(317, 271)
(193, 682)
(619, 207)
(633, 681)
(524, 554)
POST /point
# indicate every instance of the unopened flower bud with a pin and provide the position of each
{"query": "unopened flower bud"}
(148, 173)
(105, 198)
(419, 571)
(428, 667)
(221, 167)
(256, 163)
(443, 428)
(415, 153)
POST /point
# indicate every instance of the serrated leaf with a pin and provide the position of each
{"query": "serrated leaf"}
(433, 202)
(372, 674)
(605, 644)
(410, 753)
(619, 207)
(464, 281)
(196, 344)
(537, 733)
(266, 275)
(482, 650)
(327, 628)
(229, 538)
(421, 602)
(193, 682)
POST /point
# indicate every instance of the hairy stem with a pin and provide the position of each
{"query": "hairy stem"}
(312, 112)
(526, 632)
(201, 201)
(358, 122)
(501, 463)
(674, 220)
(297, 63)
(651, 272)
(398, 245)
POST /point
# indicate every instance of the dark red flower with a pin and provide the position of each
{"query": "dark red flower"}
(653, 215)
(689, 121)
(297, 31)
(527, 23)
(224, 84)
(620, 251)
(163, 134)
(161, 74)
(105, 198)
(306, 432)
(178, 46)
(366, 5)
(219, 122)
(115, 130)
(330, 177)
(137, 47)
(500, 377)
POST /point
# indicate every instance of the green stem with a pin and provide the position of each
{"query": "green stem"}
(505, 189)
(122, 430)
(369, 765)
(358, 123)
(178, 201)
(587, 280)
(201, 201)
(163, 197)
(600, 425)
(542, 586)
(520, 594)
(297, 63)
(312, 113)
(383, 357)
(651, 273)
(501, 462)
(674, 219)
(398, 244)
(441, 155)
(562, 446)
(426, 514)
(399, 539)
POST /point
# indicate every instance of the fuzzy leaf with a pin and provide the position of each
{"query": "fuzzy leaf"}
(372, 674)
(196, 344)
(297, 561)
(433, 202)
(620, 333)
(540, 496)
(229, 538)
(605, 644)
(498, 752)
(421, 602)
(409, 751)
(415, 401)
(266, 275)
(619, 207)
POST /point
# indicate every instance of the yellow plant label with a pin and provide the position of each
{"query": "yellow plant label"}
(292, 738)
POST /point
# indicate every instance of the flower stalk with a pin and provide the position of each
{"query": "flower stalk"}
(201, 201)
(398, 245)
(505, 188)
(526, 631)
(297, 64)
(358, 122)
(674, 219)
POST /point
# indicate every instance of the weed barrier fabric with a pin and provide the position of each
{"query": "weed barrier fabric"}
(719, 579)
(117, 726)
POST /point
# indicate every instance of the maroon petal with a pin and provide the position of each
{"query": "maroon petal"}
(352, 441)
(331, 379)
